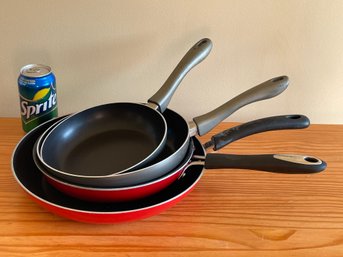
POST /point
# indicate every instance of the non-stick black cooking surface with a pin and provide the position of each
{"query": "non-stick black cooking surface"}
(104, 140)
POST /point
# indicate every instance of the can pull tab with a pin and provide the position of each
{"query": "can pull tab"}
(34, 70)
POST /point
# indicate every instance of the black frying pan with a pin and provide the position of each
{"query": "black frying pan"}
(117, 137)
(179, 133)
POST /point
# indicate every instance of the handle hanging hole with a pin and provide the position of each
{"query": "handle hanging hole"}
(311, 159)
(278, 79)
(204, 41)
(293, 117)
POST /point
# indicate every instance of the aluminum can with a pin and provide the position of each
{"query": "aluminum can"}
(37, 93)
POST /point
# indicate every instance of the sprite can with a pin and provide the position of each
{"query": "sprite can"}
(37, 92)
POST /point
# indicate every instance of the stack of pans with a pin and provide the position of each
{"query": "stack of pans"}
(126, 161)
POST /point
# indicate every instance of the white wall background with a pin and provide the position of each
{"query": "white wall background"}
(103, 51)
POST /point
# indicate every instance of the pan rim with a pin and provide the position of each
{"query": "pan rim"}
(163, 140)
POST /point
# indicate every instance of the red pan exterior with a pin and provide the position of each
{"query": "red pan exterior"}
(110, 217)
(114, 195)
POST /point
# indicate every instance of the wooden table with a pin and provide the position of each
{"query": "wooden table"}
(230, 212)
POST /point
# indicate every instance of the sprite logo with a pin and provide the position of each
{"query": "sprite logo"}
(43, 101)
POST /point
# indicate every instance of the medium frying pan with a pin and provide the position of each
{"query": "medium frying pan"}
(178, 137)
(34, 183)
(117, 137)
(139, 191)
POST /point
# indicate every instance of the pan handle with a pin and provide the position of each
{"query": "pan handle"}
(294, 121)
(265, 90)
(194, 56)
(276, 163)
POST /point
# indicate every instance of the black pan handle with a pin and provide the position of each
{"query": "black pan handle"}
(193, 57)
(263, 91)
(277, 163)
(294, 121)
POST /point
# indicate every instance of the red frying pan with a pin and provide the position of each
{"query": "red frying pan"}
(34, 183)
(146, 189)
(142, 190)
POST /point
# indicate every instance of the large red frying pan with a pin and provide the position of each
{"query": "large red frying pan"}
(178, 137)
(117, 137)
(34, 183)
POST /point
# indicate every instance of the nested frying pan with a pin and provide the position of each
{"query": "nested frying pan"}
(117, 136)
(34, 183)
(143, 190)
(178, 138)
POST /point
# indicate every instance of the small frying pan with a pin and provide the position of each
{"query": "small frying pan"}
(178, 137)
(117, 137)
(139, 191)
(34, 183)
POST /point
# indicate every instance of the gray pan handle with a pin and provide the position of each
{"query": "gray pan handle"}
(294, 121)
(194, 56)
(265, 90)
(276, 163)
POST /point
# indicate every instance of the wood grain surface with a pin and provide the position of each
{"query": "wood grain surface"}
(229, 213)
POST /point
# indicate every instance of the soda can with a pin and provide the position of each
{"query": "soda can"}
(37, 93)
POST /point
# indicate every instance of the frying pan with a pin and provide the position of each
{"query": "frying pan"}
(178, 137)
(117, 136)
(147, 189)
(34, 183)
